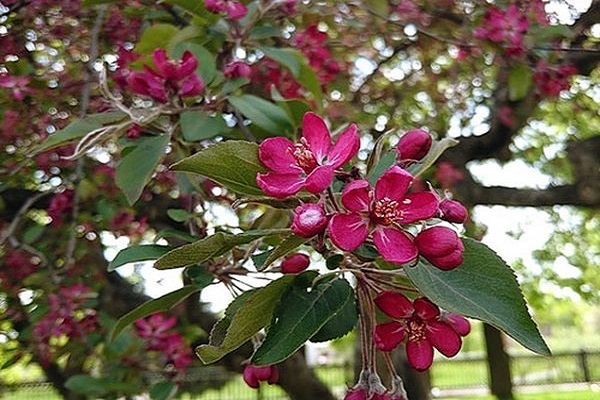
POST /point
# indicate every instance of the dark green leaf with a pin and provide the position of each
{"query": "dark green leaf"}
(340, 324)
(136, 167)
(243, 319)
(199, 275)
(286, 246)
(388, 160)
(483, 287)
(290, 58)
(260, 258)
(97, 387)
(164, 390)
(155, 37)
(198, 125)
(234, 164)
(231, 85)
(159, 304)
(264, 32)
(142, 252)
(520, 79)
(178, 215)
(263, 113)
(301, 314)
(309, 79)
(210, 247)
(334, 261)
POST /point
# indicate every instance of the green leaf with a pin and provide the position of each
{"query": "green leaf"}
(142, 252)
(194, 7)
(164, 390)
(198, 125)
(520, 79)
(97, 387)
(301, 314)
(483, 287)
(340, 324)
(380, 7)
(264, 32)
(78, 129)
(207, 63)
(287, 245)
(178, 215)
(154, 37)
(263, 113)
(309, 79)
(290, 58)
(234, 164)
(198, 275)
(136, 167)
(387, 161)
(210, 247)
(159, 304)
(12, 360)
(437, 149)
(243, 319)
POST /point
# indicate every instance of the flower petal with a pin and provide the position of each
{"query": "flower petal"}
(317, 134)
(355, 196)
(394, 304)
(419, 354)
(345, 147)
(417, 206)
(188, 65)
(348, 231)
(394, 245)
(277, 154)
(460, 324)
(443, 338)
(319, 179)
(393, 184)
(451, 261)
(388, 335)
(425, 309)
(280, 185)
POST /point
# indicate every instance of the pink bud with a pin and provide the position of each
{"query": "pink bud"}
(236, 10)
(237, 69)
(309, 220)
(441, 246)
(295, 263)
(453, 211)
(414, 145)
(215, 6)
(253, 375)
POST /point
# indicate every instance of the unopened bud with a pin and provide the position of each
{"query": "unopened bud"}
(414, 145)
(309, 220)
(253, 375)
(453, 211)
(295, 263)
(441, 246)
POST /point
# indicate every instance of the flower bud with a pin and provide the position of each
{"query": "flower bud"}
(453, 211)
(356, 393)
(414, 145)
(309, 220)
(237, 69)
(441, 246)
(295, 263)
(253, 375)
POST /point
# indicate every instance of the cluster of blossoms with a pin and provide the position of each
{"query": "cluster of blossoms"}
(68, 316)
(16, 266)
(233, 9)
(60, 205)
(505, 27)
(156, 331)
(549, 80)
(168, 78)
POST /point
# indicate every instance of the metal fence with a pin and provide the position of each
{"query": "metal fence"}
(465, 372)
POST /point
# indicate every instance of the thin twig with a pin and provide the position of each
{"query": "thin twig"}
(17, 218)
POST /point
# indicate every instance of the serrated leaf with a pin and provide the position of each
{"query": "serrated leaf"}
(287, 245)
(520, 79)
(234, 164)
(207, 64)
(210, 247)
(198, 125)
(483, 287)
(388, 160)
(263, 113)
(301, 314)
(159, 304)
(243, 319)
(142, 252)
(340, 324)
(136, 167)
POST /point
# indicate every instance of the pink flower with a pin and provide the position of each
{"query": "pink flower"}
(419, 324)
(169, 77)
(155, 329)
(309, 220)
(460, 324)
(60, 204)
(237, 69)
(295, 263)
(234, 9)
(382, 211)
(453, 211)
(441, 246)
(504, 27)
(176, 351)
(309, 164)
(447, 174)
(253, 375)
(550, 81)
(17, 84)
(414, 145)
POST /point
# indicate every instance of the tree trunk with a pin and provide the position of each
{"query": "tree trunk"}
(498, 363)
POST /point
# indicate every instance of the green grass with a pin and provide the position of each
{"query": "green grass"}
(458, 374)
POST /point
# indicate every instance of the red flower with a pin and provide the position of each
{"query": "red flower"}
(295, 263)
(441, 246)
(419, 324)
(382, 211)
(237, 69)
(309, 220)
(309, 164)
(253, 375)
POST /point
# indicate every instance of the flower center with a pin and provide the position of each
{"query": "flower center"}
(304, 156)
(385, 211)
(416, 330)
